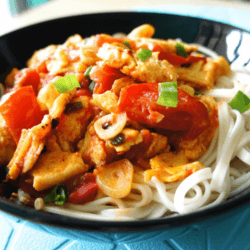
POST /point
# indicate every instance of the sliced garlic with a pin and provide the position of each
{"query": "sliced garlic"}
(115, 179)
(115, 122)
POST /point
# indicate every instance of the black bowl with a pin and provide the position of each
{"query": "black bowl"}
(18, 46)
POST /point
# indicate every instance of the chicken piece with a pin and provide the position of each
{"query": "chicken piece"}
(10, 78)
(73, 42)
(145, 30)
(203, 75)
(55, 166)
(41, 56)
(171, 167)
(151, 70)
(152, 145)
(197, 147)
(168, 159)
(130, 137)
(88, 55)
(168, 46)
(59, 62)
(29, 148)
(94, 150)
(47, 95)
(72, 124)
(173, 173)
(7, 143)
(121, 83)
(189, 90)
(157, 145)
(32, 140)
(107, 101)
(60, 103)
(71, 57)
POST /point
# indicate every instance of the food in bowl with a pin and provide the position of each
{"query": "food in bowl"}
(125, 127)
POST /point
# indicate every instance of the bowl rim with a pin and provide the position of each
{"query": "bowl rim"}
(65, 222)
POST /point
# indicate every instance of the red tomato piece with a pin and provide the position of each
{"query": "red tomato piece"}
(27, 77)
(82, 188)
(179, 60)
(21, 110)
(174, 59)
(139, 101)
(104, 76)
(83, 92)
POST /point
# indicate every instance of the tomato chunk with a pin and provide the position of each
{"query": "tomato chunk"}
(174, 59)
(139, 101)
(82, 92)
(104, 76)
(82, 188)
(27, 77)
(179, 60)
(21, 110)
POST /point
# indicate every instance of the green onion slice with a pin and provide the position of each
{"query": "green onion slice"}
(86, 73)
(144, 54)
(92, 86)
(181, 50)
(66, 83)
(59, 194)
(240, 102)
(127, 44)
(73, 107)
(168, 94)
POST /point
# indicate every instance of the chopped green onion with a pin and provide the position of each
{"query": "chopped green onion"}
(144, 54)
(92, 86)
(59, 194)
(72, 107)
(126, 43)
(196, 93)
(106, 125)
(186, 65)
(240, 102)
(66, 83)
(54, 123)
(118, 140)
(168, 94)
(86, 73)
(181, 50)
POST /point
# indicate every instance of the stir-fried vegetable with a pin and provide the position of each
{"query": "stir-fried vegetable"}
(240, 102)
(139, 101)
(21, 110)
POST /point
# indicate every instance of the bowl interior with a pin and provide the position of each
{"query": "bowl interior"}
(18, 46)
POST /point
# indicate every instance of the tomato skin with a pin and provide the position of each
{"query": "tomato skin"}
(82, 188)
(21, 110)
(139, 102)
(104, 76)
(179, 60)
(82, 92)
(27, 77)
(174, 59)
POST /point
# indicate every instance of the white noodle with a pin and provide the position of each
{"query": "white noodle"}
(146, 195)
(197, 177)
